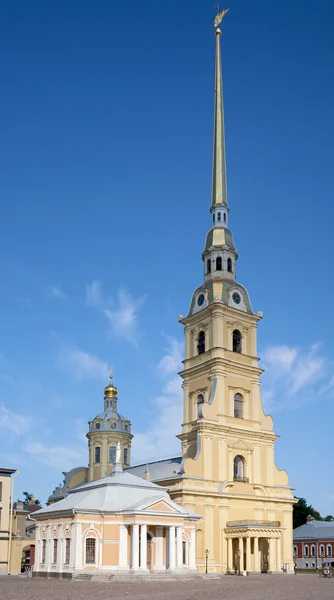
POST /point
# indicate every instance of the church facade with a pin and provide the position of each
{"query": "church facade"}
(226, 473)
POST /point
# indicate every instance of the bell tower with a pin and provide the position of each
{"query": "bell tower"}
(228, 473)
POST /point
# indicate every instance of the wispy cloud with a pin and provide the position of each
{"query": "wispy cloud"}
(55, 456)
(93, 293)
(81, 365)
(17, 423)
(121, 312)
(294, 376)
(55, 291)
(159, 441)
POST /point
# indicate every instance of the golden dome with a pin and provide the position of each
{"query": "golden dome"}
(110, 391)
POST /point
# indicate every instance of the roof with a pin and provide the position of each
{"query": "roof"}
(314, 530)
(220, 290)
(7, 472)
(119, 492)
(159, 470)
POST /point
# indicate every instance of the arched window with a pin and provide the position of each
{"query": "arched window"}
(219, 263)
(229, 265)
(239, 468)
(112, 454)
(219, 217)
(67, 551)
(43, 552)
(237, 341)
(213, 217)
(200, 399)
(329, 550)
(208, 266)
(295, 551)
(97, 454)
(90, 551)
(201, 342)
(306, 550)
(224, 217)
(322, 550)
(313, 550)
(238, 401)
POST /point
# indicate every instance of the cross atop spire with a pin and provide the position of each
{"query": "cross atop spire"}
(219, 189)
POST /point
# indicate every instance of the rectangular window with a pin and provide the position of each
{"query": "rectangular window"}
(97, 454)
(112, 454)
(184, 553)
(55, 548)
(90, 551)
(43, 551)
(125, 456)
(67, 551)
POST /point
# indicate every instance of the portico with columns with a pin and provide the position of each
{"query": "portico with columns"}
(254, 547)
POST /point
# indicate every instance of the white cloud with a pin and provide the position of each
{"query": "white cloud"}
(159, 440)
(93, 293)
(56, 292)
(58, 457)
(124, 316)
(294, 376)
(82, 365)
(17, 423)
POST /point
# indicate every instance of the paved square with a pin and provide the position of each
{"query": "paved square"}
(256, 587)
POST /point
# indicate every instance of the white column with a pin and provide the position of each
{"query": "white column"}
(143, 547)
(248, 554)
(179, 532)
(241, 553)
(278, 555)
(37, 549)
(271, 554)
(256, 554)
(78, 547)
(48, 548)
(192, 549)
(123, 547)
(229, 554)
(135, 547)
(72, 542)
(171, 548)
(158, 566)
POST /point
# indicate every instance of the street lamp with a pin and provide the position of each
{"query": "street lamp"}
(206, 560)
(239, 555)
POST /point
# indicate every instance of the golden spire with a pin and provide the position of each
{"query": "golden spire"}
(110, 391)
(219, 192)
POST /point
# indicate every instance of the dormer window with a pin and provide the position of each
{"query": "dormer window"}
(97, 425)
(219, 263)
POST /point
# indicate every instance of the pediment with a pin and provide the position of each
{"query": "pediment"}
(241, 445)
(161, 505)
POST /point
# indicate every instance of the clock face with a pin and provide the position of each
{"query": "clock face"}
(200, 299)
(236, 298)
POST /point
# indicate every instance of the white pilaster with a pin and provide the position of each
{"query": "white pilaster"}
(78, 547)
(192, 549)
(278, 555)
(37, 549)
(60, 550)
(72, 546)
(135, 547)
(271, 554)
(179, 533)
(123, 547)
(171, 548)
(143, 547)
(48, 548)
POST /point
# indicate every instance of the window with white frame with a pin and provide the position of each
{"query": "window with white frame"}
(55, 549)
(43, 551)
(90, 551)
(322, 550)
(184, 553)
(295, 551)
(306, 550)
(313, 550)
(329, 550)
(67, 551)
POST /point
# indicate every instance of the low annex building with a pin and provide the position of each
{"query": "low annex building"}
(313, 544)
(115, 524)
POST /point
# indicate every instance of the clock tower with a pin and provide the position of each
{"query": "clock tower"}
(228, 473)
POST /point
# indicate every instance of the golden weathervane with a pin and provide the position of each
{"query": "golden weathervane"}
(220, 15)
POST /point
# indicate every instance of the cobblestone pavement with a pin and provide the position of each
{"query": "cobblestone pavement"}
(255, 587)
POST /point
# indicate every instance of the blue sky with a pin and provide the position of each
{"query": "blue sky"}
(106, 143)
